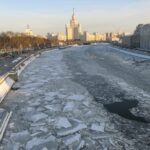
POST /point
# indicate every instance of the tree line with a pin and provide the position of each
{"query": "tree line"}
(10, 41)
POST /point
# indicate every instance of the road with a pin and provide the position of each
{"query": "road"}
(7, 63)
(85, 97)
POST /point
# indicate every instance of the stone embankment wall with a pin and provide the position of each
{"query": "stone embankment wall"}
(7, 81)
(5, 85)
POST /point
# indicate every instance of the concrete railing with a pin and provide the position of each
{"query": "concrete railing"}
(7, 80)
(4, 124)
(5, 86)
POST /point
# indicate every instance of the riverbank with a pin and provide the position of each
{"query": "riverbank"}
(6, 83)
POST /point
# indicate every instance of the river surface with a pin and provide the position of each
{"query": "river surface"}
(85, 97)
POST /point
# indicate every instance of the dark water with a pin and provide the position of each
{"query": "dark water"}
(15, 88)
(122, 109)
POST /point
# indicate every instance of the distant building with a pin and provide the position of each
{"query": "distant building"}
(56, 39)
(93, 37)
(61, 37)
(145, 37)
(99, 37)
(133, 41)
(139, 39)
(115, 37)
(138, 29)
(28, 31)
(136, 37)
(127, 41)
(88, 37)
(73, 30)
(108, 37)
(74, 34)
(112, 37)
(48, 36)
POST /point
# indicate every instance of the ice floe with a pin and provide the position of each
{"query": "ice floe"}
(62, 122)
(36, 117)
(97, 127)
(77, 97)
(20, 137)
(39, 141)
(71, 139)
(69, 106)
(65, 132)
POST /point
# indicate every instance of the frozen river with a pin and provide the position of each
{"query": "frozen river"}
(60, 102)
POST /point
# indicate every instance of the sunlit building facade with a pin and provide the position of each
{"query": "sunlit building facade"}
(99, 37)
(112, 37)
(73, 30)
(28, 31)
(61, 36)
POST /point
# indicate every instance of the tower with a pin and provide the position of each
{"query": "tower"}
(28, 31)
(73, 30)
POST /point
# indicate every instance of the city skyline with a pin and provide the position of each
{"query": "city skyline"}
(52, 16)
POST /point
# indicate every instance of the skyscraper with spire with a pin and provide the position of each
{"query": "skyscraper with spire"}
(73, 30)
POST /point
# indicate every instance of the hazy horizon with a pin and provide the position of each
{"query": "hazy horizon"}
(94, 16)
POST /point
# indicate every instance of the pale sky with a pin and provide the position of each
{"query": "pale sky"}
(94, 15)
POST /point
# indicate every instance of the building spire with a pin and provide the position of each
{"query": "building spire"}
(28, 26)
(73, 11)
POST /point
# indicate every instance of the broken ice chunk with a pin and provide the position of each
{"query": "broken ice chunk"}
(97, 127)
(35, 142)
(20, 137)
(51, 94)
(36, 117)
(68, 107)
(62, 122)
(79, 146)
(45, 148)
(71, 139)
(76, 97)
(53, 108)
(86, 103)
(65, 132)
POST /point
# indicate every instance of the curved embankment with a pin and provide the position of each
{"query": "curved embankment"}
(6, 83)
